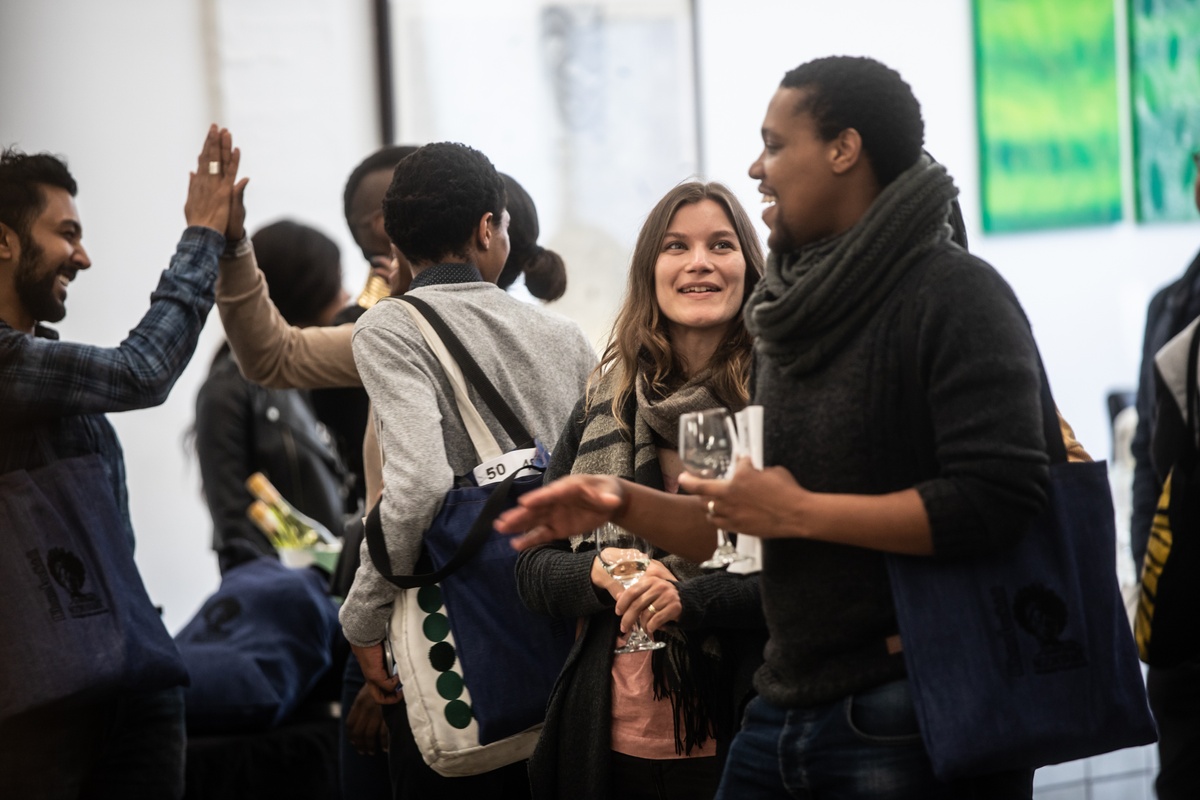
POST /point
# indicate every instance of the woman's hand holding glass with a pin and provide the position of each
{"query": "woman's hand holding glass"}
(653, 601)
(626, 558)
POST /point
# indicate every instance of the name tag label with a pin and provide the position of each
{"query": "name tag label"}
(497, 469)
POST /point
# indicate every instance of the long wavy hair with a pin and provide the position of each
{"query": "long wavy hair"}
(640, 339)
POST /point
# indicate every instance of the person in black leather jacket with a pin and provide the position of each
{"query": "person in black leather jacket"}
(243, 428)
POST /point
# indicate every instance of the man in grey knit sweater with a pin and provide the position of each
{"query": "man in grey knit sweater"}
(445, 211)
(862, 279)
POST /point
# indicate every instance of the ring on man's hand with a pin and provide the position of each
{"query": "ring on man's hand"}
(214, 168)
(710, 508)
(652, 609)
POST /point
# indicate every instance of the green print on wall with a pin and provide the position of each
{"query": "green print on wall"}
(1164, 83)
(1046, 89)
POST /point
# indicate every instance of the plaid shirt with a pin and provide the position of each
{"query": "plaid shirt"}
(54, 394)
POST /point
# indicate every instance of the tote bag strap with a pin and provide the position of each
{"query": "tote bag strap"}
(459, 367)
(457, 360)
(480, 532)
(919, 419)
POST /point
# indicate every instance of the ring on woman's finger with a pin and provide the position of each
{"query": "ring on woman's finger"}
(652, 609)
(214, 168)
(710, 508)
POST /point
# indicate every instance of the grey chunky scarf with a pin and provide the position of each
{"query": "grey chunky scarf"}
(810, 302)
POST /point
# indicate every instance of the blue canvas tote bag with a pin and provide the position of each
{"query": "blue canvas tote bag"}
(257, 646)
(1025, 657)
(76, 621)
(476, 664)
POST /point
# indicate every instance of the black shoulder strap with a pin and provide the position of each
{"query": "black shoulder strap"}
(474, 375)
(482, 528)
(475, 539)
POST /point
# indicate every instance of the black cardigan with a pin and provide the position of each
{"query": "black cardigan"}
(573, 753)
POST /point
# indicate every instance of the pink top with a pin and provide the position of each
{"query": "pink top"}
(642, 726)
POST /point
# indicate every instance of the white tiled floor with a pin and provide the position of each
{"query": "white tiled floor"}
(1121, 775)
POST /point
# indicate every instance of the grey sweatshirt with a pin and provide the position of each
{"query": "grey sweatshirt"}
(537, 360)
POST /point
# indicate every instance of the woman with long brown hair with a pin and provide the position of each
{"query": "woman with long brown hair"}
(651, 724)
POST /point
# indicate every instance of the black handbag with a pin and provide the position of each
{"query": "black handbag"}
(1025, 657)
(76, 621)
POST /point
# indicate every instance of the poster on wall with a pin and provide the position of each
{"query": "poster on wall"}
(1164, 81)
(589, 104)
(1046, 94)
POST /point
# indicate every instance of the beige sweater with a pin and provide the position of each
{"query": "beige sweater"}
(275, 354)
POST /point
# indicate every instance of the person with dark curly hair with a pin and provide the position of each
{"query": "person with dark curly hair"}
(278, 355)
(860, 240)
(445, 212)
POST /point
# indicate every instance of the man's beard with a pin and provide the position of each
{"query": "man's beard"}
(37, 294)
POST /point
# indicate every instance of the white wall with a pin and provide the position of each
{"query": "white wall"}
(1085, 289)
(125, 90)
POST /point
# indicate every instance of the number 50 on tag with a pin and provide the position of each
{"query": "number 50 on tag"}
(497, 469)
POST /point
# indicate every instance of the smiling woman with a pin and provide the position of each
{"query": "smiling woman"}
(678, 345)
(700, 278)
(698, 236)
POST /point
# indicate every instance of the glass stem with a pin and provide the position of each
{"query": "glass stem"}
(723, 540)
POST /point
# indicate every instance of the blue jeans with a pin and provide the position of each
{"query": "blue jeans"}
(863, 746)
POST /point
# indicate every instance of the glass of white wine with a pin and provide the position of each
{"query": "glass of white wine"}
(706, 450)
(626, 557)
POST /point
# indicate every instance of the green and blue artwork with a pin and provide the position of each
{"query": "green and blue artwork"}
(1049, 135)
(1164, 81)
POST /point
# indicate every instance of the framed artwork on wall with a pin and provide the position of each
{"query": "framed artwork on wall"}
(1164, 85)
(1049, 131)
(590, 104)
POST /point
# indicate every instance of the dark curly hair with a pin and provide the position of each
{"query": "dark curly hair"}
(303, 268)
(545, 272)
(21, 178)
(383, 159)
(861, 93)
(436, 199)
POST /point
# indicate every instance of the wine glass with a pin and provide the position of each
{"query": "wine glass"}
(626, 558)
(706, 449)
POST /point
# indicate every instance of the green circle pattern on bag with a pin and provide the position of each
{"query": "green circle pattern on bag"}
(442, 657)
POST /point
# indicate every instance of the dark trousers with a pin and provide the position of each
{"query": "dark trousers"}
(412, 778)
(1175, 700)
(129, 747)
(636, 778)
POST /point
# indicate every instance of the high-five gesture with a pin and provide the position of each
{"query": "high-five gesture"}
(212, 186)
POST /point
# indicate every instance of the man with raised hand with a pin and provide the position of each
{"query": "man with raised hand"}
(53, 398)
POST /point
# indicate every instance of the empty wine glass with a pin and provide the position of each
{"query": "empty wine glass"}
(706, 449)
(626, 557)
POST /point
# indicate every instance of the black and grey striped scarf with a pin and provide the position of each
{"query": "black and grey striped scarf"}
(686, 671)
